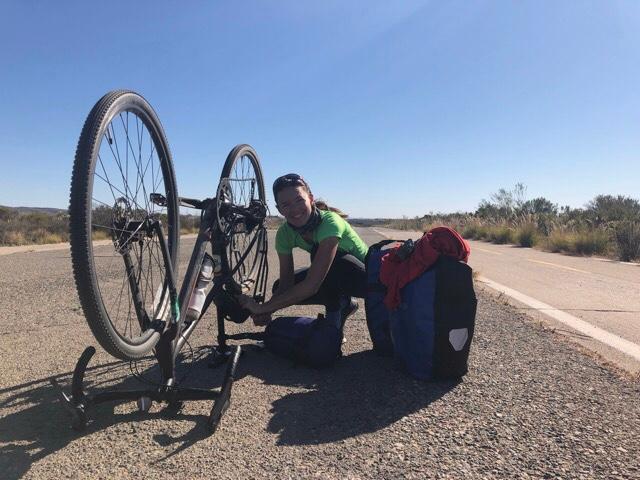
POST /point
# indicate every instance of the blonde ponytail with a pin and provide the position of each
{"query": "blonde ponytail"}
(322, 205)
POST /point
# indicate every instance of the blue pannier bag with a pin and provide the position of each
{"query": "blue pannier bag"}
(375, 309)
(430, 332)
(315, 342)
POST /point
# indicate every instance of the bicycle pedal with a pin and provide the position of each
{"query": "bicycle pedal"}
(173, 408)
(144, 404)
(219, 357)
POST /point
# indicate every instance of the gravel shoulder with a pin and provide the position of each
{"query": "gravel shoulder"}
(530, 407)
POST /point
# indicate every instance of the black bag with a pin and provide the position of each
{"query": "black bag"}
(375, 309)
(315, 342)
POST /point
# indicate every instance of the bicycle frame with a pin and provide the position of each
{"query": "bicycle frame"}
(175, 335)
(209, 232)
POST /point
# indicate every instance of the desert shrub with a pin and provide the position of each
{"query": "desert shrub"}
(12, 238)
(44, 236)
(539, 206)
(593, 242)
(470, 231)
(608, 208)
(627, 239)
(526, 235)
(23, 229)
(501, 234)
(274, 222)
(416, 223)
(482, 233)
(100, 235)
(189, 223)
(7, 214)
(559, 241)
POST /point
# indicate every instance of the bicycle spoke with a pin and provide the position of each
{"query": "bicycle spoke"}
(124, 282)
(106, 180)
(116, 157)
(139, 179)
(138, 160)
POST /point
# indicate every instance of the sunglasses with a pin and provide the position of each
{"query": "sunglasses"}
(288, 180)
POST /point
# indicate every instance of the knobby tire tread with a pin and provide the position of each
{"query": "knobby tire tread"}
(237, 153)
(80, 232)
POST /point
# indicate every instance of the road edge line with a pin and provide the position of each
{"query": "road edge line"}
(611, 339)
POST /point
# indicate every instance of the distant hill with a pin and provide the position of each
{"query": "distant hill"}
(273, 220)
(368, 222)
(27, 210)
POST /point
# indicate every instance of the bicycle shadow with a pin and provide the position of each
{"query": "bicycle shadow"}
(33, 424)
(362, 393)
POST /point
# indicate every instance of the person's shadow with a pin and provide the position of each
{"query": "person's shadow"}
(362, 393)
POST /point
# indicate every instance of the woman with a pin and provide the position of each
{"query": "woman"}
(337, 256)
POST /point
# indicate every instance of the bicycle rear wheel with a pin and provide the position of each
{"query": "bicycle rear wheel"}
(242, 185)
(122, 159)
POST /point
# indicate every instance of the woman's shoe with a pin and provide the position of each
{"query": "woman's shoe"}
(350, 309)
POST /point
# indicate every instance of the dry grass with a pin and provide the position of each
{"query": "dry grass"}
(99, 235)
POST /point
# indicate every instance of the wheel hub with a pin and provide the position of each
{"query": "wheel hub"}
(125, 229)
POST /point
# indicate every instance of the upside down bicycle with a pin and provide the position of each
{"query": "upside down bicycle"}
(124, 234)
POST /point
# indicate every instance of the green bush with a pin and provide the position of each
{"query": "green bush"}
(627, 237)
(527, 235)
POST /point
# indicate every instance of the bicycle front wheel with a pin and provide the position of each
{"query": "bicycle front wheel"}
(123, 183)
(242, 185)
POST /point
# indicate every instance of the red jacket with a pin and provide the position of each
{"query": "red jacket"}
(395, 273)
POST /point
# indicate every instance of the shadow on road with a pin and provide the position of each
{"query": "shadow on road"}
(363, 393)
(34, 425)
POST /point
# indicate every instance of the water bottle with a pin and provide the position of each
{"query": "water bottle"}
(200, 291)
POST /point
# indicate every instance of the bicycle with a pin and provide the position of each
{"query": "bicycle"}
(124, 235)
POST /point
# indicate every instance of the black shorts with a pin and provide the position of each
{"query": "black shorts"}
(346, 277)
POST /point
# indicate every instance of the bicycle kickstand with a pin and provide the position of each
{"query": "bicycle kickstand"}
(78, 403)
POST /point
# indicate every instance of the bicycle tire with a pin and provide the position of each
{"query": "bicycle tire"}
(237, 170)
(89, 217)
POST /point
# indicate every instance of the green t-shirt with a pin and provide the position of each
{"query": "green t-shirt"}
(332, 225)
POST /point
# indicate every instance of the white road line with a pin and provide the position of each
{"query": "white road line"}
(608, 338)
(384, 234)
(635, 264)
(558, 266)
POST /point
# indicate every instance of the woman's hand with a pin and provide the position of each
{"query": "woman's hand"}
(250, 304)
(262, 319)
(258, 314)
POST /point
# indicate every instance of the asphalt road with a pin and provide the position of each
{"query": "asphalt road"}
(532, 405)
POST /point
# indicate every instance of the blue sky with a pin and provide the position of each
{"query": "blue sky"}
(387, 108)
